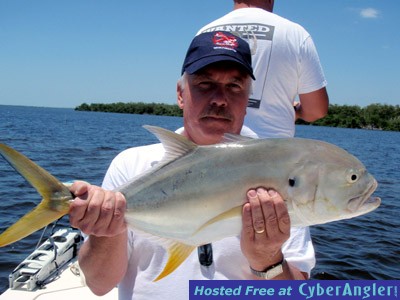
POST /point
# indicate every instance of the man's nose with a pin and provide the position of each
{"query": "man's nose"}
(219, 98)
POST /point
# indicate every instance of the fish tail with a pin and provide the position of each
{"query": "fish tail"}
(55, 203)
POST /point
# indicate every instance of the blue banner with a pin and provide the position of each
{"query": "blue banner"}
(294, 289)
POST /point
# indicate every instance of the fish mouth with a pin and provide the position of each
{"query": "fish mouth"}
(364, 203)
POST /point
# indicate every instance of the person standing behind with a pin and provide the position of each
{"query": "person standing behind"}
(286, 65)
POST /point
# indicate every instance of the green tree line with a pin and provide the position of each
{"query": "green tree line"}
(140, 108)
(374, 116)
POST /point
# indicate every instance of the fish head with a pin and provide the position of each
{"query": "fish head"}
(333, 185)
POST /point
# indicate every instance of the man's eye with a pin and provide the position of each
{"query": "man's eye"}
(205, 85)
(235, 87)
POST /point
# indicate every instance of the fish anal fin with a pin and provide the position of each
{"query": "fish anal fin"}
(233, 212)
(177, 253)
(36, 219)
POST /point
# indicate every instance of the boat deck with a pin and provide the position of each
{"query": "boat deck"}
(66, 286)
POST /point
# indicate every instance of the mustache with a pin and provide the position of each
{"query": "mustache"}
(218, 112)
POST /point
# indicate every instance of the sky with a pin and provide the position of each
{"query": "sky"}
(65, 53)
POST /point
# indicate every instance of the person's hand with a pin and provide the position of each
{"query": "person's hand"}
(96, 211)
(266, 226)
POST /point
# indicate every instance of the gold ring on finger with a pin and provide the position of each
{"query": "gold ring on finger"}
(259, 231)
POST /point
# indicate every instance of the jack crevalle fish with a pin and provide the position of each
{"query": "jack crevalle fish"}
(195, 194)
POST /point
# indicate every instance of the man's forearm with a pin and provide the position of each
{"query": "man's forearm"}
(312, 106)
(103, 261)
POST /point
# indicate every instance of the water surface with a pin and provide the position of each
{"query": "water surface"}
(81, 145)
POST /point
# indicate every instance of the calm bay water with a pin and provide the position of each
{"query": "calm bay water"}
(80, 145)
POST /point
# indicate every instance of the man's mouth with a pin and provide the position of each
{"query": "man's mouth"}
(216, 117)
(217, 114)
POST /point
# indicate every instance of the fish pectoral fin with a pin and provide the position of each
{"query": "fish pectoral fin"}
(32, 221)
(177, 253)
(232, 213)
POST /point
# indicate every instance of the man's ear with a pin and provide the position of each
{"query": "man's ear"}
(179, 96)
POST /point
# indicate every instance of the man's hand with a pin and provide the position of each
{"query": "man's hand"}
(266, 226)
(96, 211)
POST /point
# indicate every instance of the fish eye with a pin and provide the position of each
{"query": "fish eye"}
(292, 182)
(352, 177)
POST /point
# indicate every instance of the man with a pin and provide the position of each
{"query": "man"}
(286, 65)
(213, 94)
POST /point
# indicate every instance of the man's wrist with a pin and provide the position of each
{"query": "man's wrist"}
(271, 271)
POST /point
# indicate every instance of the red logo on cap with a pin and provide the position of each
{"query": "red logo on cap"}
(222, 40)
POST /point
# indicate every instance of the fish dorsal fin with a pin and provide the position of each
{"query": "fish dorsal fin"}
(177, 253)
(175, 145)
(232, 138)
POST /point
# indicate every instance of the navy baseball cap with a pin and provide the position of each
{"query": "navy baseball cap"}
(211, 47)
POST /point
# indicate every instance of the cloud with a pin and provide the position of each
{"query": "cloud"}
(369, 13)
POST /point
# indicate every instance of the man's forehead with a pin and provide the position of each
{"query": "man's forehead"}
(234, 69)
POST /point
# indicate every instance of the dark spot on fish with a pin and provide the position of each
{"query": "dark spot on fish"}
(292, 182)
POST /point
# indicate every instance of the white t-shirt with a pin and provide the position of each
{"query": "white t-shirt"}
(147, 259)
(285, 63)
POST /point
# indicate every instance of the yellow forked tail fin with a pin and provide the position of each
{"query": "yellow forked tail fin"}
(55, 195)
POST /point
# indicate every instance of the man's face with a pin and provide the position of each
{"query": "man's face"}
(214, 102)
